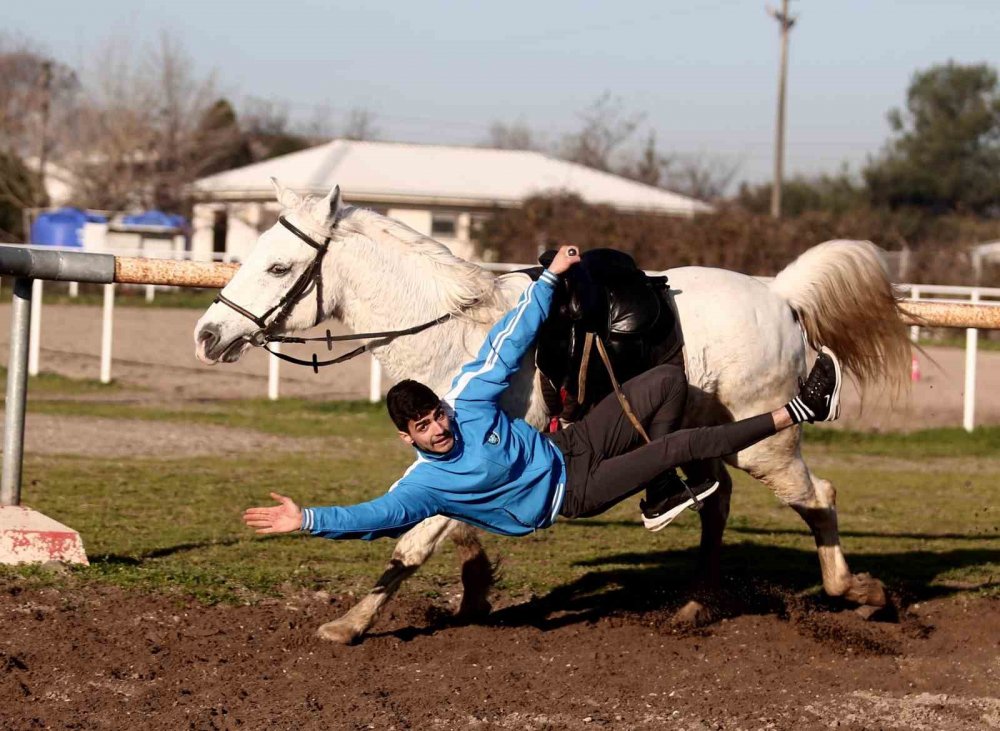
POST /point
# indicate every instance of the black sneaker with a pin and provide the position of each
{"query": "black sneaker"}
(819, 396)
(660, 510)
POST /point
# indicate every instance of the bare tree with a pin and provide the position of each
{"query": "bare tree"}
(605, 129)
(512, 136)
(182, 151)
(113, 142)
(360, 125)
(650, 166)
(37, 95)
(702, 176)
(139, 135)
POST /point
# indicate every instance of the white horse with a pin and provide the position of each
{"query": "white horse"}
(746, 346)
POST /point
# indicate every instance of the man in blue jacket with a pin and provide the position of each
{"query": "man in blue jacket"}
(476, 464)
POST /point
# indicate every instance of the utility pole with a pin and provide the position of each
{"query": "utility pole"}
(786, 21)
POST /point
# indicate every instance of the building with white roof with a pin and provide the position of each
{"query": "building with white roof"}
(439, 190)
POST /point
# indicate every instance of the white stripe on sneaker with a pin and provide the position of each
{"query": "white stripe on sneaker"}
(796, 412)
(802, 412)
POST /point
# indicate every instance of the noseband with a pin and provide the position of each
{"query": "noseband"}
(310, 276)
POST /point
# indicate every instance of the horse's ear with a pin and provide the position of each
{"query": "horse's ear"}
(287, 198)
(333, 204)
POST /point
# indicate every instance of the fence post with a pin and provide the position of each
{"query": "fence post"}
(74, 290)
(375, 381)
(107, 331)
(273, 379)
(150, 292)
(17, 389)
(35, 339)
(971, 346)
(915, 329)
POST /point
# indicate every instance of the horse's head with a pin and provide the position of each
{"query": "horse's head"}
(280, 287)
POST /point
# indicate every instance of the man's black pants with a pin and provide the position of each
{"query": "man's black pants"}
(607, 459)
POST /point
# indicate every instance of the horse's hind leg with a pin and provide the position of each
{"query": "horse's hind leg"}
(777, 462)
(713, 514)
(411, 551)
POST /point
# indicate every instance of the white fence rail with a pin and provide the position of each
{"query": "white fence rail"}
(964, 295)
(918, 292)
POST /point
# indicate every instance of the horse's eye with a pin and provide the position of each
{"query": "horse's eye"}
(278, 269)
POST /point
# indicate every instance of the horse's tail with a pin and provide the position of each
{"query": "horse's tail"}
(845, 301)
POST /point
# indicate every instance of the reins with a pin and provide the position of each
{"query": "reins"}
(330, 339)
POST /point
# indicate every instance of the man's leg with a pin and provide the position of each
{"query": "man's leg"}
(617, 477)
(657, 398)
(659, 395)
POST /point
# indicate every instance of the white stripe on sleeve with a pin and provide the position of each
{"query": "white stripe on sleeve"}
(490, 362)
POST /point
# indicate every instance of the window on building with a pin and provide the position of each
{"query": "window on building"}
(444, 225)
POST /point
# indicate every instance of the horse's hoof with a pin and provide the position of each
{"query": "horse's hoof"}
(867, 611)
(339, 632)
(473, 610)
(693, 614)
(866, 591)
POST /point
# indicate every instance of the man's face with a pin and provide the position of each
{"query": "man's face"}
(431, 432)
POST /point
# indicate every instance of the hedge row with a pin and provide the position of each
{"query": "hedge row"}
(733, 238)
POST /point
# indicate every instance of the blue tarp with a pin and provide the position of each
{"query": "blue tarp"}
(155, 218)
(62, 227)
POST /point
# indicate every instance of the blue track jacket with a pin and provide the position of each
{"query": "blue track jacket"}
(502, 474)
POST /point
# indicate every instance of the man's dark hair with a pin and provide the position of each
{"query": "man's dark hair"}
(409, 400)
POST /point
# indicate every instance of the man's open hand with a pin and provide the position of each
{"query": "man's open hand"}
(283, 518)
(566, 257)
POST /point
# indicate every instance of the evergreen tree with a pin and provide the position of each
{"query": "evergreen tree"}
(946, 151)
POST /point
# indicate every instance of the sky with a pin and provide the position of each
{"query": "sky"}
(703, 74)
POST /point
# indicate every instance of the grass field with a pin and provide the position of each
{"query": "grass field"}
(49, 385)
(919, 511)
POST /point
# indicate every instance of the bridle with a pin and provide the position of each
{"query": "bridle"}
(291, 297)
(310, 277)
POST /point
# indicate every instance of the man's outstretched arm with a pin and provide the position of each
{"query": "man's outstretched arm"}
(488, 376)
(389, 515)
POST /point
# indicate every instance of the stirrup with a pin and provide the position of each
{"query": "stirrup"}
(697, 504)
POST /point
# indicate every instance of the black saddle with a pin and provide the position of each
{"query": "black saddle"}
(608, 295)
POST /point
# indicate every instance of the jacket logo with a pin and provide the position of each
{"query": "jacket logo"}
(493, 439)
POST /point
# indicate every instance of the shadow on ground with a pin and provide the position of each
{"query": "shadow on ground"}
(756, 580)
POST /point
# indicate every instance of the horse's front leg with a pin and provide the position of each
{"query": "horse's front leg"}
(411, 551)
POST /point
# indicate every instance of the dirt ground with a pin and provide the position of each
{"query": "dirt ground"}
(95, 659)
(153, 357)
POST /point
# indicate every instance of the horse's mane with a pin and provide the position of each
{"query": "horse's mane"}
(466, 289)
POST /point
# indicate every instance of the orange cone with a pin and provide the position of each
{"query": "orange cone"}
(914, 369)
